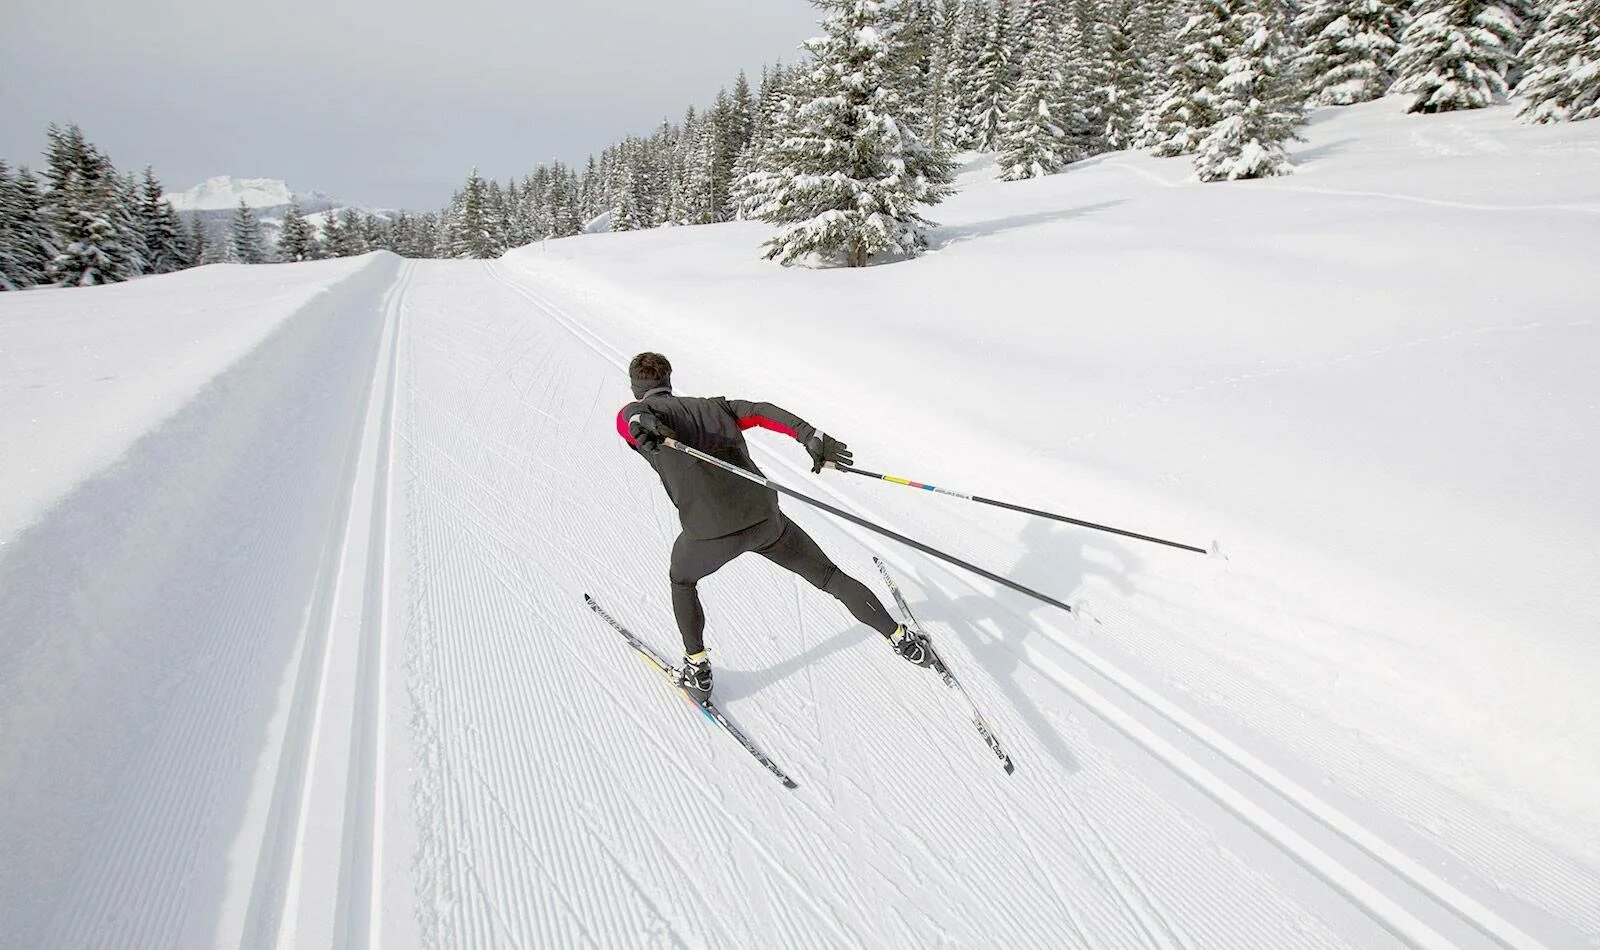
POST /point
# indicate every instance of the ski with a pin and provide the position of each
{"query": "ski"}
(671, 673)
(943, 669)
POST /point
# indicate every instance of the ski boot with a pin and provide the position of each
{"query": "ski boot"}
(912, 645)
(695, 677)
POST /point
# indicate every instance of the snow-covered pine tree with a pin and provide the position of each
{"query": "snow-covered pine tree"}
(27, 244)
(353, 233)
(994, 80)
(969, 44)
(13, 276)
(296, 242)
(1257, 101)
(194, 243)
(1454, 54)
(124, 208)
(850, 179)
(1081, 108)
(497, 217)
(473, 235)
(1347, 47)
(1184, 110)
(81, 210)
(626, 213)
(1124, 71)
(162, 230)
(244, 233)
(1032, 141)
(1561, 78)
(943, 94)
(330, 243)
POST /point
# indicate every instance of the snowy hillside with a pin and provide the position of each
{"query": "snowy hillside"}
(296, 652)
(224, 192)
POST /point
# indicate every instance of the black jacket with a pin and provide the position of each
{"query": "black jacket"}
(711, 502)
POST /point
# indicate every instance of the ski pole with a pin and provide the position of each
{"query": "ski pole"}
(853, 519)
(1006, 504)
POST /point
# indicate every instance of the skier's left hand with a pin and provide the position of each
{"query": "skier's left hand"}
(648, 431)
(825, 448)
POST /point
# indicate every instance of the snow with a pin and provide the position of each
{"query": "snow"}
(296, 651)
(83, 375)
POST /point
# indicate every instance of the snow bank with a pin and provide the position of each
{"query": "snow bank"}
(86, 372)
(148, 617)
(1372, 381)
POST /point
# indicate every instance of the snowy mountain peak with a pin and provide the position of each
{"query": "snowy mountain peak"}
(224, 192)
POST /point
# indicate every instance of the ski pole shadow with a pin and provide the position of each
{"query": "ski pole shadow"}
(1052, 562)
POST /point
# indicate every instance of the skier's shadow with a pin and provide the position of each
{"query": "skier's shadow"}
(1053, 562)
(742, 683)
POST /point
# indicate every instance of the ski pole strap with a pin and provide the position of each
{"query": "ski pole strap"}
(1025, 510)
(854, 519)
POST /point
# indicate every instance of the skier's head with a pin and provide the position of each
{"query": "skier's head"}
(649, 371)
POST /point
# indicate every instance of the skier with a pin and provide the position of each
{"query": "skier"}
(723, 515)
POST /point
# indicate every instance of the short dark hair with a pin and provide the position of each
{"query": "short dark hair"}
(650, 366)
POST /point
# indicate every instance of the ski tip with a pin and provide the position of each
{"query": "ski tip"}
(789, 783)
(1010, 769)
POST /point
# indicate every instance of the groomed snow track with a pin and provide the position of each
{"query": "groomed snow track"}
(396, 723)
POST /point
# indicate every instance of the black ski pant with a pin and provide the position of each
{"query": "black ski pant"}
(780, 541)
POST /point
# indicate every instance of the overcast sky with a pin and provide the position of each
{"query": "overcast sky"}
(383, 104)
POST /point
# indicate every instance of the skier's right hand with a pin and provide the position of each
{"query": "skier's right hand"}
(824, 449)
(647, 431)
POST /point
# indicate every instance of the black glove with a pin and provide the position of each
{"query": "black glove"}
(825, 448)
(647, 431)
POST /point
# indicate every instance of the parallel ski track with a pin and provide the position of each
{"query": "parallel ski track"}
(152, 878)
(286, 830)
(1347, 880)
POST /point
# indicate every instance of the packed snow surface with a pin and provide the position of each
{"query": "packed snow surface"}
(297, 654)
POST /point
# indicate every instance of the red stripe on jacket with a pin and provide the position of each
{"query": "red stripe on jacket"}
(622, 426)
(750, 422)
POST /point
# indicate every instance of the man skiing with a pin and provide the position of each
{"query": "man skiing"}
(723, 515)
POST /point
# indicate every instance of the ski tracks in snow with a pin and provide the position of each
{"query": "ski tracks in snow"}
(318, 879)
(1078, 840)
(565, 796)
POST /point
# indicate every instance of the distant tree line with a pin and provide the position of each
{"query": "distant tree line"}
(85, 223)
(843, 149)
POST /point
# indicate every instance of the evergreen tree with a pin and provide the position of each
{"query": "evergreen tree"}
(473, 233)
(1454, 54)
(1032, 142)
(245, 235)
(1348, 45)
(1562, 63)
(850, 177)
(82, 210)
(1257, 101)
(1185, 110)
(331, 242)
(1124, 72)
(13, 275)
(296, 242)
(970, 46)
(194, 246)
(163, 238)
(353, 237)
(994, 80)
(27, 245)
(944, 94)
